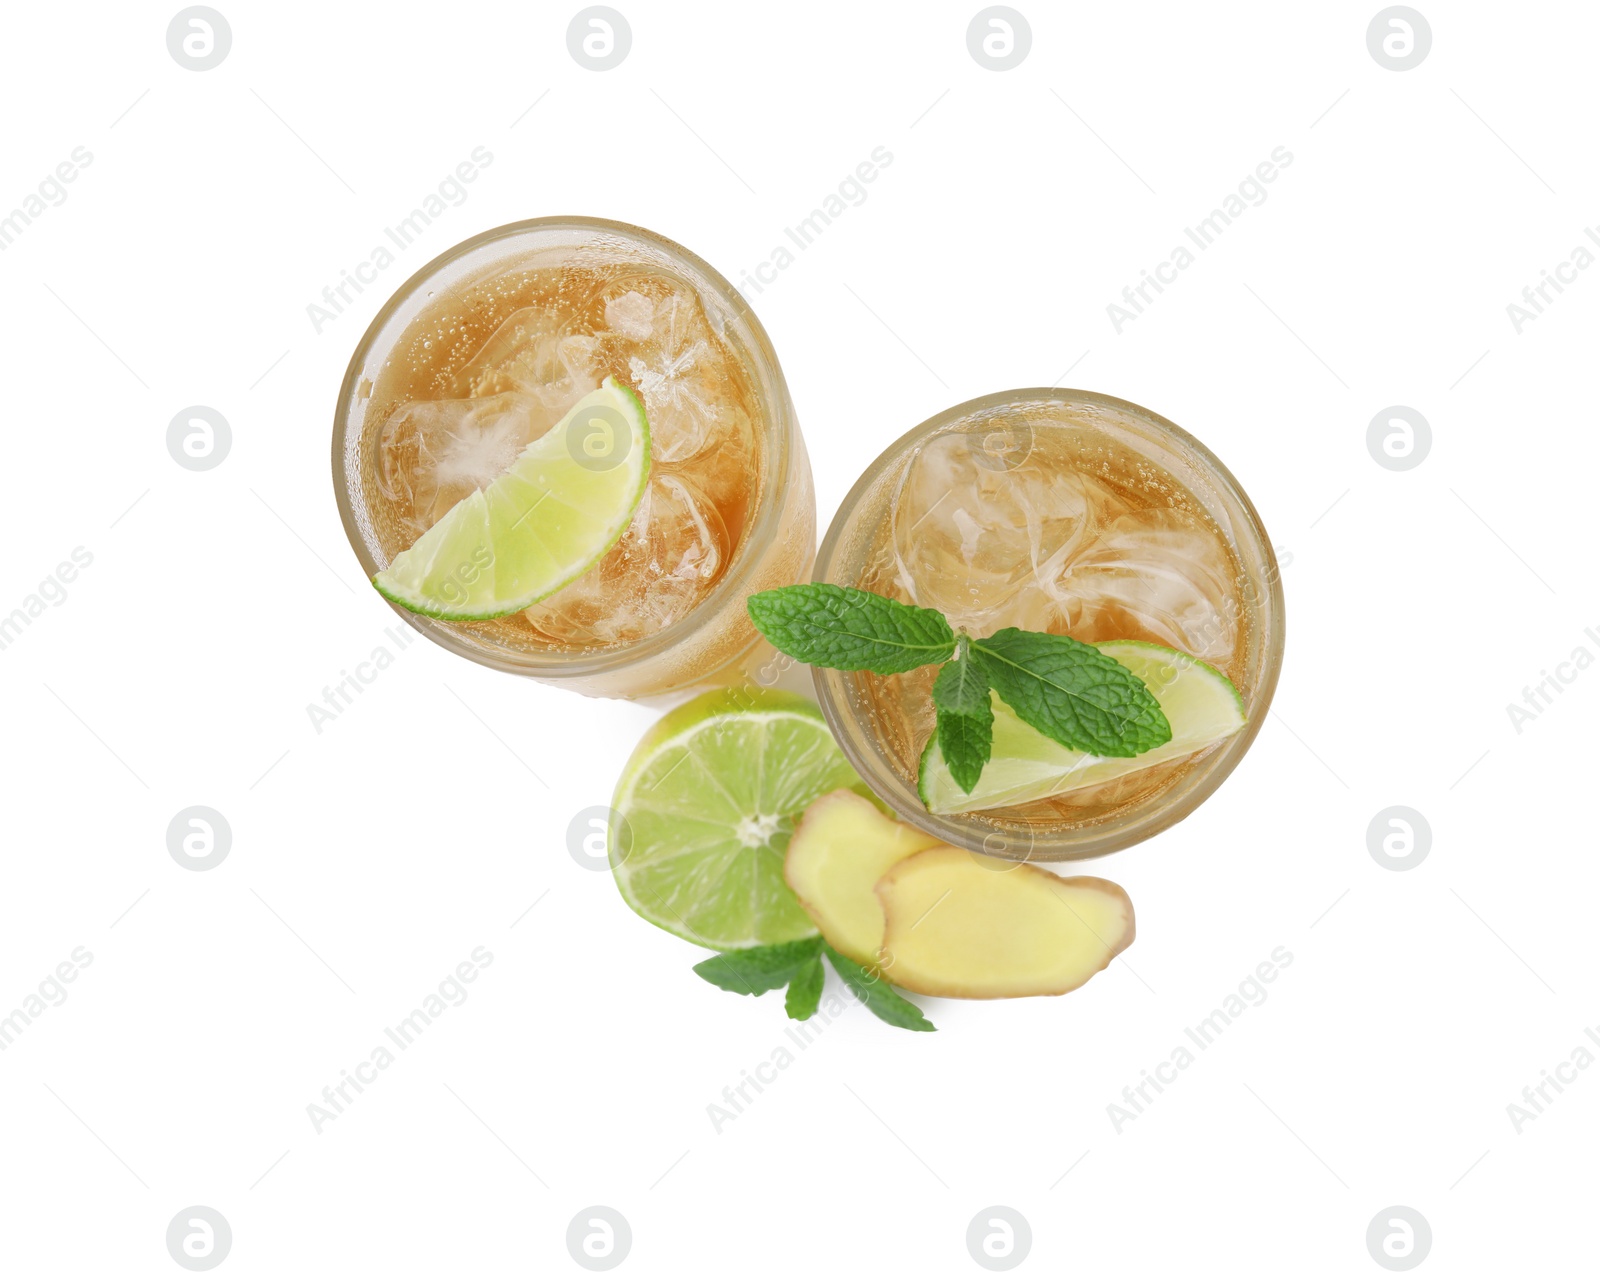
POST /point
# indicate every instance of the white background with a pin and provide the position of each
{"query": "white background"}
(368, 860)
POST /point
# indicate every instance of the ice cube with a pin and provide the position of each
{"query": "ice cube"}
(433, 453)
(986, 543)
(676, 364)
(665, 562)
(533, 352)
(631, 315)
(1163, 575)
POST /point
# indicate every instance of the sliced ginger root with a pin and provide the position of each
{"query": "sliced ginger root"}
(969, 927)
(841, 848)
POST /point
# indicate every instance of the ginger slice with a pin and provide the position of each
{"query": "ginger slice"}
(970, 927)
(841, 848)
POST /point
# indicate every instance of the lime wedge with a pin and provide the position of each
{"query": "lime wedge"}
(1024, 765)
(562, 505)
(705, 808)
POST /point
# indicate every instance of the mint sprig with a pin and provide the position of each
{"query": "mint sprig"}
(798, 965)
(1069, 691)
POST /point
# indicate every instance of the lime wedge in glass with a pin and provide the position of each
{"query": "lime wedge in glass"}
(705, 808)
(1024, 765)
(546, 521)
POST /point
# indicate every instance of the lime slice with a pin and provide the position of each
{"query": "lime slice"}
(705, 808)
(562, 505)
(1024, 765)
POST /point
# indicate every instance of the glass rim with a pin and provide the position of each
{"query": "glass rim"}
(1044, 845)
(758, 537)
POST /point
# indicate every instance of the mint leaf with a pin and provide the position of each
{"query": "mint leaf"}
(965, 742)
(1072, 693)
(961, 687)
(846, 629)
(805, 990)
(760, 968)
(875, 993)
(965, 724)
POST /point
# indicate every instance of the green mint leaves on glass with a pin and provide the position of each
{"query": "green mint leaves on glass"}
(1069, 691)
(1073, 693)
(850, 630)
(965, 716)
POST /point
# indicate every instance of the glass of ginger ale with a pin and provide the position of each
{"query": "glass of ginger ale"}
(565, 449)
(1076, 514)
